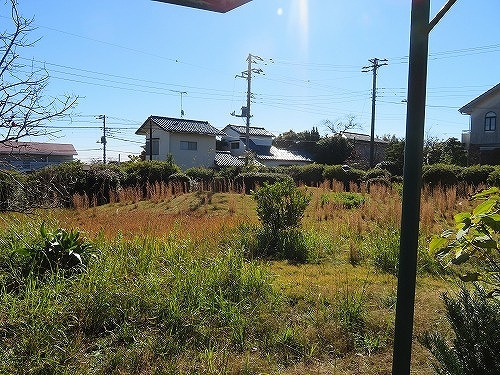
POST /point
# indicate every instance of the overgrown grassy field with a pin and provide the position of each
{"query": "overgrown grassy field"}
(170, 288)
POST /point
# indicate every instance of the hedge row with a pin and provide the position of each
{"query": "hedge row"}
(58, 184)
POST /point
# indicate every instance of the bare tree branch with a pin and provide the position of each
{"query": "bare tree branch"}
(23, 107)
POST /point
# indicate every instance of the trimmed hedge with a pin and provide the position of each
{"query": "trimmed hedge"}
(311, 174)
(342, 174)
(444, 175)
(147, 172)
(476, 174)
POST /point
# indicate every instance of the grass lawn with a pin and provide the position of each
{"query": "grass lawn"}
(171, 291)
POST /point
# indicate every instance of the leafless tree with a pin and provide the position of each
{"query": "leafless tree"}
(340, 126)
(23, 106)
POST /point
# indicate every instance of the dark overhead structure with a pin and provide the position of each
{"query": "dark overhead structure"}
(221, 6)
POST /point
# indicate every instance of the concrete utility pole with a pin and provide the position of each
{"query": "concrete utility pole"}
(103, 138)
(245, 111)
(375, 64)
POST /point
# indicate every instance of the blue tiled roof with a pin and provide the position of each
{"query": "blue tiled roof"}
(179, 125)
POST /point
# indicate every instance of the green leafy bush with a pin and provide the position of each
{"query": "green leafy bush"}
(200, 174)
(180, 182)
(147, 172)
(474, 241)
(377, 173)
(102, 181)
(393, 167)
(56, 251)
(443, 175)
(280, 207)
(494, 177)
(311, 174)
(476, 174)
(343, 199)
(250, 181)
(56, 185)
(12, 191)
(475, 349)
(343, 174)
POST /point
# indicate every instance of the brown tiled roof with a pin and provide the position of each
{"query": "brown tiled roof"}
(179, 125)
(36, 148)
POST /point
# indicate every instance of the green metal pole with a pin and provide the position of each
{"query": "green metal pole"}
(412, 184)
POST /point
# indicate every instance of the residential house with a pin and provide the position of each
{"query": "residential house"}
(261, 147)
(29, 156)
(482, 139)
(362, 144)
(190, 143)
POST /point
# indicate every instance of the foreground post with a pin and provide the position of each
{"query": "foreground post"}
(412, 183)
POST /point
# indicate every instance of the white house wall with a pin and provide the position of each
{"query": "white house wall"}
(203, 156)
(478, 135)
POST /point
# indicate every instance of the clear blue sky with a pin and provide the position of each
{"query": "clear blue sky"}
(131, 59)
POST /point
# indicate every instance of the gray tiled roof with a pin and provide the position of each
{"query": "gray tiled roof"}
(225, 159)
(362, 137)
(253, 131)
(179, 125)
(37, 148)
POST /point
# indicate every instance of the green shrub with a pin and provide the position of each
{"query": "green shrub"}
(475, 349)
(343, 174)
(444, 175)
(334, 172)
(394, 168)
(343, 199)
(377, 173)
(494, 177)
(476, 174)
(141, 173)
(250, 181)
(180, 181)
(311, 174)
(101, 182)
(289, 244)
(200, 174)
(280, 207)
(12, 191)
(56, 185)
(56, 251)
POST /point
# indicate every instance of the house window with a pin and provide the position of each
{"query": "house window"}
(156, 146)
(186, 145)
(235, 145)
(490, 121)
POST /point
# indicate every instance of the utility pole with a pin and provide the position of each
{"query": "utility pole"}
(412, 181)
(103, 138)
(375, 64)
(245, 111)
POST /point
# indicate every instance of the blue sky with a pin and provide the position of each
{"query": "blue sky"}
(131, 59)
